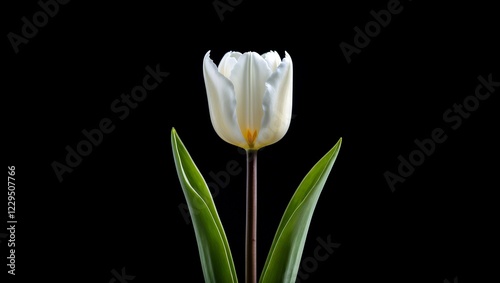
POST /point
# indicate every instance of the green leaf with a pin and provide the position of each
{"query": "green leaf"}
(215, 255)
(283, 260)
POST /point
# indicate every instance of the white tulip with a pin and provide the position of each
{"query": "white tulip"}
(249, 97)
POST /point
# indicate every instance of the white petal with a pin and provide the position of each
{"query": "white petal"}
(273, 59)
(277, 104)
(221, 103)
(227, 63)
(249, 77)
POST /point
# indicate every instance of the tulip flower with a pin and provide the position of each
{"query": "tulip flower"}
(250, 104)
(249, 97)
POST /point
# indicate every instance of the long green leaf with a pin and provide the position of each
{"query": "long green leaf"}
(215, 255)
(283, 260)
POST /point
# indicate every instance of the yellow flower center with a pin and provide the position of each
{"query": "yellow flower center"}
(250, 137)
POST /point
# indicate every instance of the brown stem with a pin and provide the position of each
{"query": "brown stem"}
(251, 219)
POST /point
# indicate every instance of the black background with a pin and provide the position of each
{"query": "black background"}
(119, 208)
